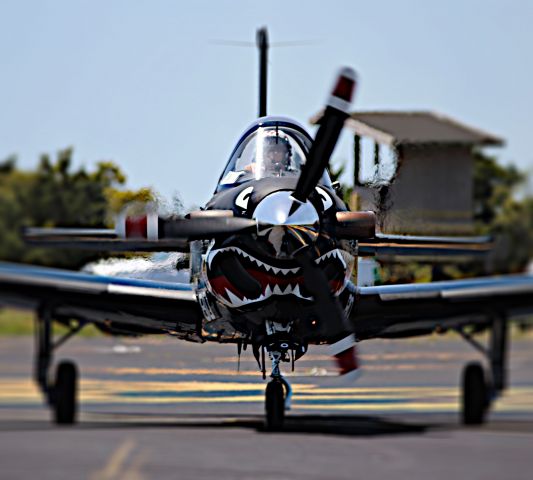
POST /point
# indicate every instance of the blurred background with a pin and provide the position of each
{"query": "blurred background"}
(103, 103)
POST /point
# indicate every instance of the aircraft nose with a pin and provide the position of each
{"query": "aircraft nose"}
(285, 230)
(275, 210)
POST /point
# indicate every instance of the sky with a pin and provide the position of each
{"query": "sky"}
(147, 85)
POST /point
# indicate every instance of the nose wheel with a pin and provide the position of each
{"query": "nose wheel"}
(275, 405)
(278, 392)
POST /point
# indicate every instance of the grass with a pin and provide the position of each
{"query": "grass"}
(19, 322)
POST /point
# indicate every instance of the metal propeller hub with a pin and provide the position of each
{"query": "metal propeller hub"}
(275, 210)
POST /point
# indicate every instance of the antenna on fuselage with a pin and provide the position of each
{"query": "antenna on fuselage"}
(262, 45)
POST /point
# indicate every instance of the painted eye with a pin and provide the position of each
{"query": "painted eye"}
(326, 199)
(242, 199)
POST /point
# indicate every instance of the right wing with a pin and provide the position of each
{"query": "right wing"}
(120, 305)
(388, 245)
(422, 308)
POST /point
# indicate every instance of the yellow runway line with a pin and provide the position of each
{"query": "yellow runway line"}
(113, 466)
(311, 397)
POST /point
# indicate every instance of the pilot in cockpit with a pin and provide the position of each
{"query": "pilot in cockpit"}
(277, 153)
(275, 156)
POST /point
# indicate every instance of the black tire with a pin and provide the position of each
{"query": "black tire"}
(65, 393)
(475, 394)
(275, 406)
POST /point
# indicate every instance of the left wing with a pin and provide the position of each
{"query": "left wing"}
(418, 309)
(121, 305)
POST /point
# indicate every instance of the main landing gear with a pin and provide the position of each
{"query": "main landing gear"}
(60, 394)
(481, 387)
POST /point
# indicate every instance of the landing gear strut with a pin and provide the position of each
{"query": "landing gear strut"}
(278, 392)
(61, 394)
(481, 387)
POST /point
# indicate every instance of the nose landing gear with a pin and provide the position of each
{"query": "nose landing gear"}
(278, 392)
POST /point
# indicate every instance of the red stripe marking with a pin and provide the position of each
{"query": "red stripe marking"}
(344, 88)
(136, 227)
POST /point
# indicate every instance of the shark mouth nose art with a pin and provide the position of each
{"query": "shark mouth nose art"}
(239, 278)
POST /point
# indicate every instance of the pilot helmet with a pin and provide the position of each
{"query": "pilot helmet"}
(277, 151)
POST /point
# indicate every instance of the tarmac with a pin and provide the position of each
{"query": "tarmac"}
(160, 408)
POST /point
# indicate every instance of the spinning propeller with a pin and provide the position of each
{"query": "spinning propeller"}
(149, 232)
(152, 233)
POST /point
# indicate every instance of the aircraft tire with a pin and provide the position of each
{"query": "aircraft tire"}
(475, 394)
(275, 406)
(65, 393)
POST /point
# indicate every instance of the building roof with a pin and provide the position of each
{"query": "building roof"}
(397, 127)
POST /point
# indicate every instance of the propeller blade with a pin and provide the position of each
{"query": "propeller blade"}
(330, 314)
(328, 308)
(344, 352)
(144, 233)
(335, 114)
(198, 228)
(109, 244)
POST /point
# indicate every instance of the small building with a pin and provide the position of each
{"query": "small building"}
(415, 170)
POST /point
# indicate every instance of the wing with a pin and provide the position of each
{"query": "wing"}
(387, 245)
(417, 309)
(120, 305)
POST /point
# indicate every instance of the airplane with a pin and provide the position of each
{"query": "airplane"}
(272, 266)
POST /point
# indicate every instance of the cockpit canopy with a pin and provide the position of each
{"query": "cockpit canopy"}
(269, 149)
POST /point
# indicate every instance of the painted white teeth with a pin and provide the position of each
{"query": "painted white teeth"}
(332, 253)
(234, 300)
(210, 258)
(268, 268)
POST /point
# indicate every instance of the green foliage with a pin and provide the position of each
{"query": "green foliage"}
(513, 229)
(56, 195)
(498, 212)
(494, 187)
(117, 200)
(18, 322)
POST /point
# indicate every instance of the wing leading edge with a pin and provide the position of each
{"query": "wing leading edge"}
(417, 309)
(120, 304)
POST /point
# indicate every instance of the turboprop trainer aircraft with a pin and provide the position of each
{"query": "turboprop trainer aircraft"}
(272, 258)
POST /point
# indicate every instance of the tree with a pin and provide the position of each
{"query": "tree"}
(56, 195)
(494, 187)
(499, 212)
